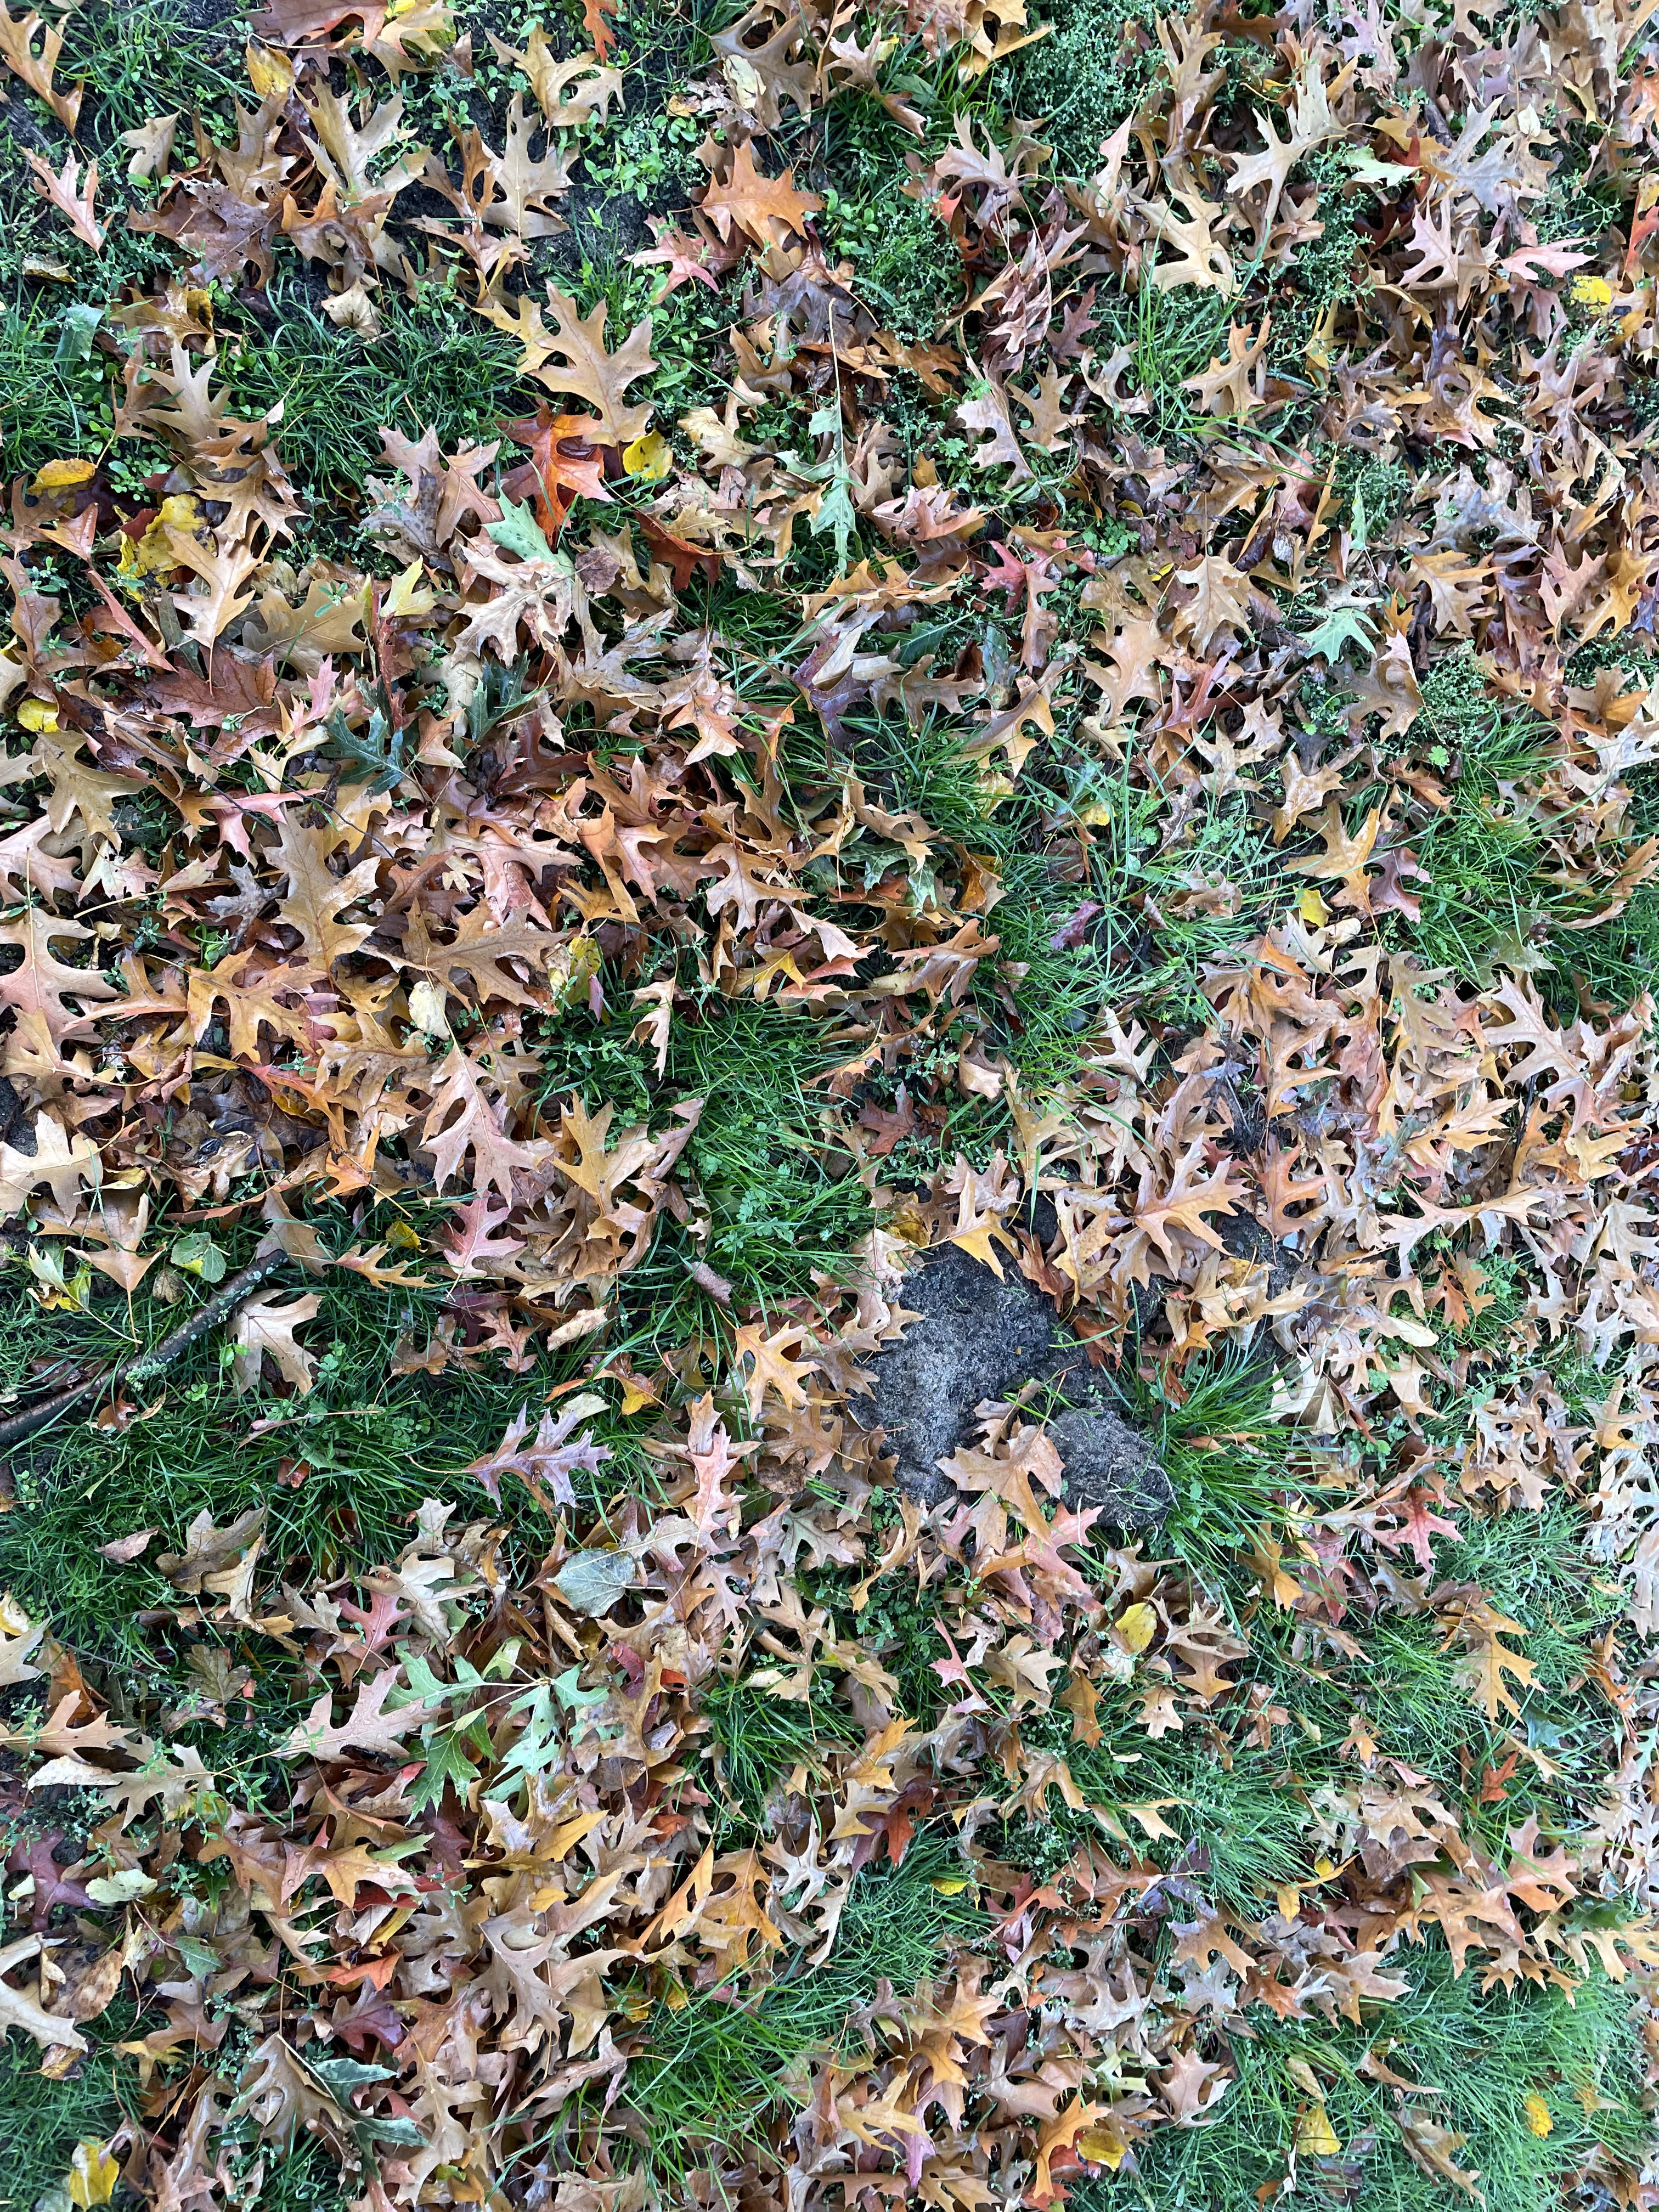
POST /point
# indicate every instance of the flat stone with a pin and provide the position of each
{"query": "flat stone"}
(978, 1338)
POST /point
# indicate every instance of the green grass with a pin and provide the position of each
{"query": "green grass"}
(144, 58)
(1492, 894)
(777, 1203)
(906, 265)
(1483, 2054)
(50, 406)
(720, 2071)
(762, 1738)
(434, 365)
(43, 2120)
(1222, 1498)
(376, 1445)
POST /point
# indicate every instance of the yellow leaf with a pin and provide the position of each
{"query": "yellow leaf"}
(1312, 909)
(906, 1223)
(1103, 2145)
(950, 1888)
(62, 476)
(976, 1242)
(1538, 2114)
(408, 595)
(1136, 1626)
(268, 70)
(1315, 2136)
(93, 2175)
(154, 553)
(35, 715)
(1150, 1815)
(569, 1833)
(1592, 291)
(649, 458)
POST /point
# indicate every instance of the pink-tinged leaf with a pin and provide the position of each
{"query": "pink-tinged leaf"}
(546, 1463)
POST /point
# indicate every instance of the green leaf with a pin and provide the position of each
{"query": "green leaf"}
(79, 327)
(572, 1697)
(519, 532)
(1339, 625)
(452, 1755)
(401, 2134)
(377, 753)
(340, 2076)
(201, 1958)
(537, 1749)
(838, 514)
(197, 1254)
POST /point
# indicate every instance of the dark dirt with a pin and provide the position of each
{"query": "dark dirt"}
(978, 1338)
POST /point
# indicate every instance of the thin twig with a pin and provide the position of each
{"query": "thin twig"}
(143, 1364)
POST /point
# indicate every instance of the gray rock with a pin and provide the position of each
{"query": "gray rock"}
(1110, 1465)
(976, 1338)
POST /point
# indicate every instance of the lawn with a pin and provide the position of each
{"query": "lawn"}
(666, 662)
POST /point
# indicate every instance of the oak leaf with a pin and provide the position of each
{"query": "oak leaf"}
(771, 1368)
(63, 1163)
(266, 1325)
(316, 898)
(73, 199)
(1184, 1204)
(370, 1727)
(17, 35)
(461, 1119)
(767, 209)
(21, 2008)
(571, 357)
(1220, 600)
(1434, 2149)
(564, 460)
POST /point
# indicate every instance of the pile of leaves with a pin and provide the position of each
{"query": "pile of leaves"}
(657, 662)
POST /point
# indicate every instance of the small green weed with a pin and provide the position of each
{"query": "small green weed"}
(1092, 71)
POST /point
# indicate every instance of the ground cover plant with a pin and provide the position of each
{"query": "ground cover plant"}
(659, 661)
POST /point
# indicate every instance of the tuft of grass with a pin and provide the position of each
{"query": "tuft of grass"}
(1480, 2053)
(54, 399)
(143, 57)
(1224, 1453)
(715, 2072)
(1495, 894)
(434, 365)
(783, 1206)
(44, 2119)
(760, 1739)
